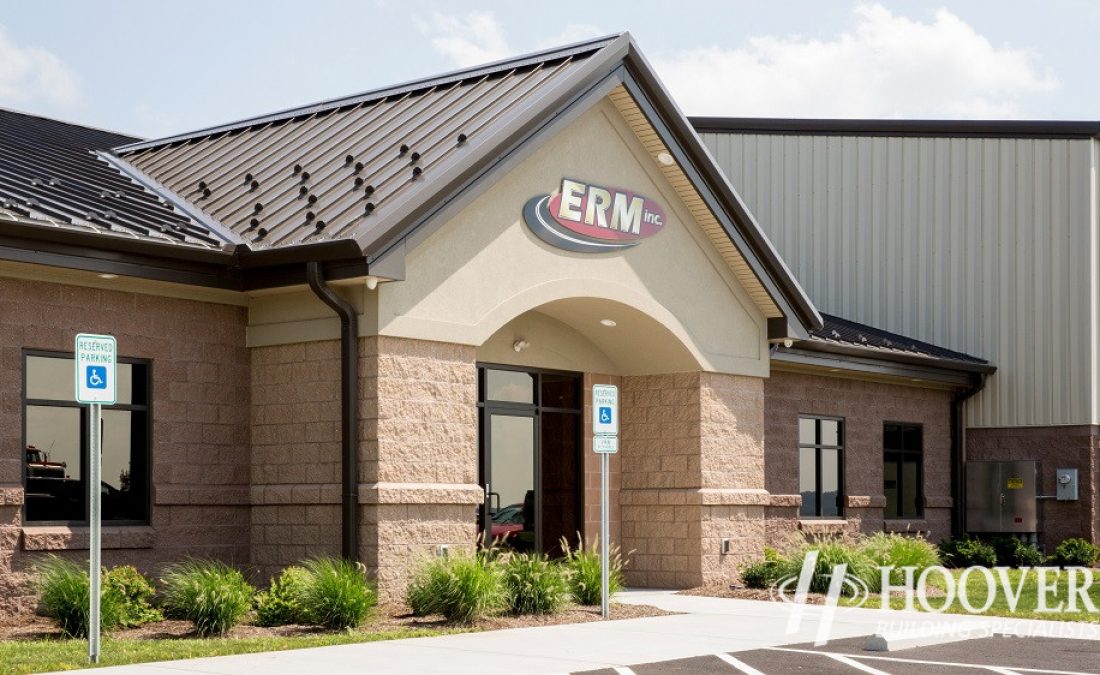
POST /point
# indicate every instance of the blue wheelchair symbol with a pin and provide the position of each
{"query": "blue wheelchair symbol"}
(605, 415)
(97, 377)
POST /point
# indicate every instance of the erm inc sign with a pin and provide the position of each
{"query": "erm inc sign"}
(593, 219)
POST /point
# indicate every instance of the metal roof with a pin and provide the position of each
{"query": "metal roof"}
(843, 332)
(332, 170)
(50, 174)
(1060, 129)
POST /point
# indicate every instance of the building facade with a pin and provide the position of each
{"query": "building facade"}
(371, 328)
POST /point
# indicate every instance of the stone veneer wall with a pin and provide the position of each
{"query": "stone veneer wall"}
(1068, 447)
(692, 474)
(295, 454)
(419, 469)
(865, 407)
(201, 449)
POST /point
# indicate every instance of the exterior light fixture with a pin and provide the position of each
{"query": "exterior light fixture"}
(107, 276)
(665, 158)
(520, 344)
(372, 282)
(610, 323)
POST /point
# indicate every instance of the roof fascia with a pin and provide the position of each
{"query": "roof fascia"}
(1033, 129)
(715, 189)
(853, 352)
(873, 366)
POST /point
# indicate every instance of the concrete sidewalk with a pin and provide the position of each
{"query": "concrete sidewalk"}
(707, 626)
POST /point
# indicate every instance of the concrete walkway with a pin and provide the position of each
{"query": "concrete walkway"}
(707, 626)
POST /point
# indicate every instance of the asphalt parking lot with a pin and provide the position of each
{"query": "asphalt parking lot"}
(998, 654)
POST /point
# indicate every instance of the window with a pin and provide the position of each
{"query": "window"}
(820, 473)
(55, 430)
(902, 458)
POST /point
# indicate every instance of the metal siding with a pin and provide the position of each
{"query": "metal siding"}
(981, 245)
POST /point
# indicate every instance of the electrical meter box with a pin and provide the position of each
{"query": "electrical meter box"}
(1002, 496)
(1066, 480)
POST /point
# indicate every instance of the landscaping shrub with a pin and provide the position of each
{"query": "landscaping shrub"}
(833, 552)
(336, 593)
(583, 567)
(899, 551)
(63, 589)
(767, 572)
(967, 551)
(461, 587)
(136, 595)
(208, 593)
(1012, 552)
(281, 603)
(1075, 552)
(535, 585)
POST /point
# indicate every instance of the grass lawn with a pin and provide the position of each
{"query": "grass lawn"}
(1027, 605)
(36, 656)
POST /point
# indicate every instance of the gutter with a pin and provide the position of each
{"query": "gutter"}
(349, 407)
(958, 452)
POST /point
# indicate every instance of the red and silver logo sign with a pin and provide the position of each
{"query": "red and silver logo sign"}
(593, 219)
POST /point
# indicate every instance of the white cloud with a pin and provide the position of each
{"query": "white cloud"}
(479, 37)
(467, 41)
(31, 74)
(884, 66)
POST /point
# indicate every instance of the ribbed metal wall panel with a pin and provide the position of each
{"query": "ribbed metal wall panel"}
(982, 245)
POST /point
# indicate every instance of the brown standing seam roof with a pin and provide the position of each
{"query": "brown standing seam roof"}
(330, 171)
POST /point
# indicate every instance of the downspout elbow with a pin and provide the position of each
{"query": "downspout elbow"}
(349, 407)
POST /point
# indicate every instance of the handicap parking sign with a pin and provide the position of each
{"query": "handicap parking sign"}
(97, 377)
(605, 414)
(605, 410)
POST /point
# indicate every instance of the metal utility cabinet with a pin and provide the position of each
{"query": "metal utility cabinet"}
(1002, 496)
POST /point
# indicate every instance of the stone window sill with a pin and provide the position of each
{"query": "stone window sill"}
(75, 538)
(823, 525)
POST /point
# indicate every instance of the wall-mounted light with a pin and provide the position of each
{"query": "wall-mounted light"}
(520, 344)
(372, 282)
(610, 323)
(665, 158)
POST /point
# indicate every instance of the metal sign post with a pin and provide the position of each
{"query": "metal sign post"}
(605, 442)
(96, 356)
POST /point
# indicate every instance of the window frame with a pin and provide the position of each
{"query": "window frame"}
(817, 446)
(146, 408)
(902, 453)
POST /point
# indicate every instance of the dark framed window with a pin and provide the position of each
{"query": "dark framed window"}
(55, 441)
(902, 470)
(821, 466)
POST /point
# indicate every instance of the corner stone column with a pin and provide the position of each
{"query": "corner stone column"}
(418, 454)
(692, 475)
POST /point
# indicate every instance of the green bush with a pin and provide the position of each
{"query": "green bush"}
(767, 572)
(1011, 552)
(281, 603)
(336, 593)
(210, 594)
(583, 567)
(136, 593)
(63, 590)
(900, 551)
(833, 552)
(967, 551)
(1075, 552)
(460, 587)
(535, 585)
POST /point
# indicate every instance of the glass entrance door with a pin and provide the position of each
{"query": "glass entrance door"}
(530, 463)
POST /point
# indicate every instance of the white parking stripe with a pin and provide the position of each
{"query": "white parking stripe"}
(1001, 671)
(855, 664)
(622, 670)
(922, 662)
(739, 665)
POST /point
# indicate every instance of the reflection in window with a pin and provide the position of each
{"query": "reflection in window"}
(902, 458)
(56, 438)
(820, 467)
(511, 386)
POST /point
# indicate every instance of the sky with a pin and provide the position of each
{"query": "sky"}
(158, 67)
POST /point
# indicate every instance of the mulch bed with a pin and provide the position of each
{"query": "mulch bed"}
(33, 627)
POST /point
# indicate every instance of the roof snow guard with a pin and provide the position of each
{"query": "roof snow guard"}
(49, 171)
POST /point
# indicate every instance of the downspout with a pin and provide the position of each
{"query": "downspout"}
(958, 452)
(349, 407)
